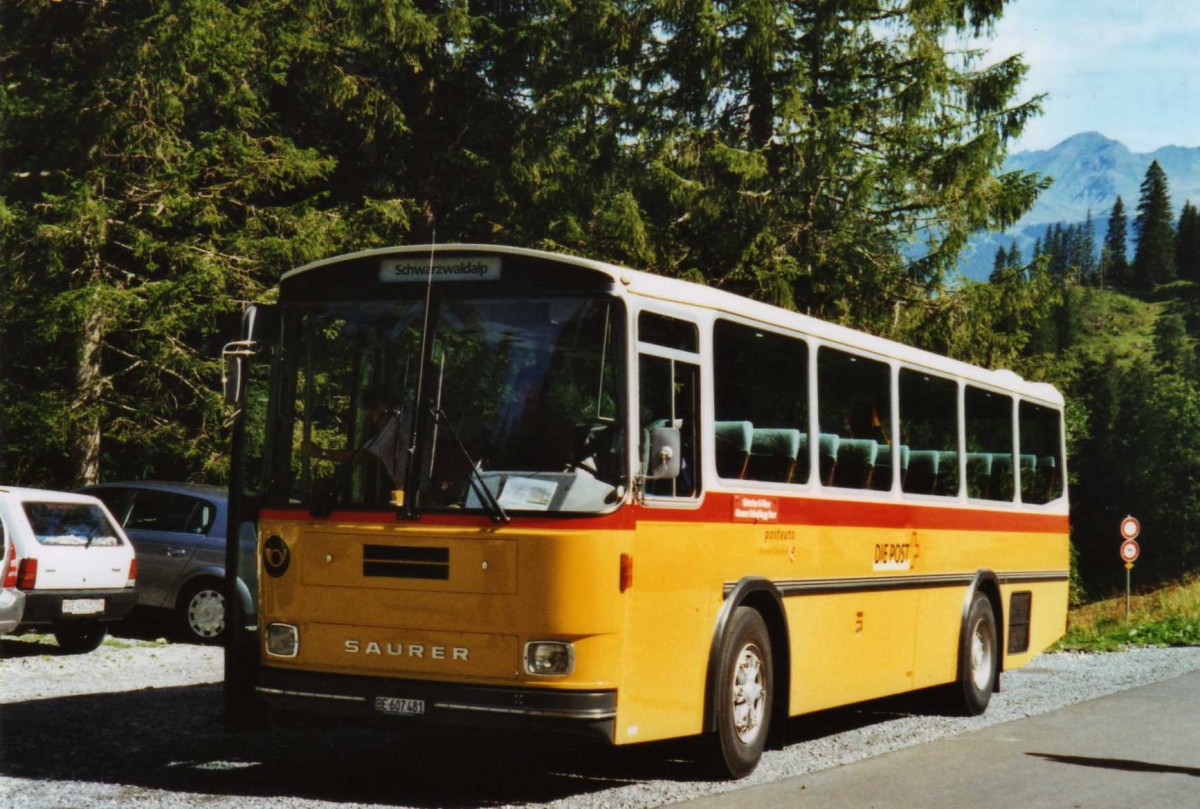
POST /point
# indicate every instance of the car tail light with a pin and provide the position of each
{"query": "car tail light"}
(10, 567)
(132, 574)
(27, 574)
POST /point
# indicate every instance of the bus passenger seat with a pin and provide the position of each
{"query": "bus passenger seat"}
(855, 463)
(882, 479)
(922, 471)
(827, 456)
(733, 440)
(1002, 476)
(773, 454)
(947, 477)
(979, 474)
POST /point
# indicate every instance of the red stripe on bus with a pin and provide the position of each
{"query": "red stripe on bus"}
(717, 508)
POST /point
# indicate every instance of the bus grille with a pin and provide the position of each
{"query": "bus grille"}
(1020, 608)
(398, 562)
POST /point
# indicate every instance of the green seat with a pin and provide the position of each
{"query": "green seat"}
(947, 478)
(855, 463)
(922, 471)
(882, 479)
(979, 475)
(773, 454)
(827, 449)
(732, 447)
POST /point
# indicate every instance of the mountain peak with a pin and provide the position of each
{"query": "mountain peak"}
(1089, 171)
(1090, 139)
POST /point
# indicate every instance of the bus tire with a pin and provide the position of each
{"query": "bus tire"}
(745, 690)
(980, 659)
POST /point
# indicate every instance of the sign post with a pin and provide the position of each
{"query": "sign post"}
(1130, 550)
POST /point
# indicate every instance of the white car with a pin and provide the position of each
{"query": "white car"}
(70, 561)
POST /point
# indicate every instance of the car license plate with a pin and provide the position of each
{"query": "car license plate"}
(399, 706)
(82, 606)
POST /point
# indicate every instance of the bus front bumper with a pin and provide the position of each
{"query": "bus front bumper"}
(419, 702)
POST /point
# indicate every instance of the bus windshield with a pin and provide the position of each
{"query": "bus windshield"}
(521, 396)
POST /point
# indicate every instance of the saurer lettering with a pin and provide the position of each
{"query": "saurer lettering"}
(412, 650)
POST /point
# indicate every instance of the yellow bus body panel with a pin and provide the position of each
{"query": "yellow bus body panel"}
(858, 629)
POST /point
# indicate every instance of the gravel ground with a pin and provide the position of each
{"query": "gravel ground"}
(138, 723)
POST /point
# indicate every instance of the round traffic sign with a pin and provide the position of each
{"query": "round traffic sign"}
(1130, 528)
(1130, 551)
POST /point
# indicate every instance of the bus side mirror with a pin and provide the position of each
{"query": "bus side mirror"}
(257, 320)
(231, 376)
(664, 454)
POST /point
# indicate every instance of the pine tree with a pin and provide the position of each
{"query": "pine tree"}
(1154, 260)
(148, 190)
(1014, 261)
(1187, 243)
(1117, 270)
(999, 264)
(800, 145)
(1173, 350)
(1087, 249)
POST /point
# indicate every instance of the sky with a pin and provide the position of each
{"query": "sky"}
(1129, 69)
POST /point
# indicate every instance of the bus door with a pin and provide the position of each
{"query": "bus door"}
(668, 627)
(248, 375)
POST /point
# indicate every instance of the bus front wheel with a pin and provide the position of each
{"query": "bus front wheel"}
(745, 690)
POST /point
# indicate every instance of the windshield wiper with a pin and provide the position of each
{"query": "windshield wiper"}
(476, 477)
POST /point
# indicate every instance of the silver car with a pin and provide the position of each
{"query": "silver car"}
(178, 530)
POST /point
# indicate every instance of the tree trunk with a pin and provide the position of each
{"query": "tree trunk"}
(88, 382)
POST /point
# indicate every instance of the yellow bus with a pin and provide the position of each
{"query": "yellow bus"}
(504, 487)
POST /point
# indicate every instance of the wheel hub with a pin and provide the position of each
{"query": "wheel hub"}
(749, 691)
(206, 613)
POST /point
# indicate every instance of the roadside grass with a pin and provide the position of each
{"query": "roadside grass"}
(1169, 616)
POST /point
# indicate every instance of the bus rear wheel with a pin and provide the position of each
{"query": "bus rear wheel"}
(980, 658)
(745, 690)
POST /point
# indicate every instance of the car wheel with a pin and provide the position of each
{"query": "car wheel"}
(80, 638)
(202, 612)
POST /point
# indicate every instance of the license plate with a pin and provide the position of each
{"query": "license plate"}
(82, 606)
(399, 706)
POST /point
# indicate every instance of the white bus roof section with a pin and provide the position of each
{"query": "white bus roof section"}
(672, 290)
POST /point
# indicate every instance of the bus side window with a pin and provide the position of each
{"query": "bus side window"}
(928, 433)
(989, 420)
(670, 396)
(854, 405)
(761, 396)
(1041, 440)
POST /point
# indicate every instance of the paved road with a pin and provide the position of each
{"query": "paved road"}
(1138, 748)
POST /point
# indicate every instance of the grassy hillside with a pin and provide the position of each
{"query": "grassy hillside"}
(1112, 321)
(1169, 616)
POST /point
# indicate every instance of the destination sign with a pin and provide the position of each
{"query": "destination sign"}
(420, 270)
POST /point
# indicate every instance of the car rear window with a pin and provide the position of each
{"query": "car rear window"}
(82, 524)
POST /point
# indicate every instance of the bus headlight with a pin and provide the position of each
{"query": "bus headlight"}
(549, 658)
(283, 640)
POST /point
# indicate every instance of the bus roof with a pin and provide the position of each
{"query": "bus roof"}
(648, 285)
